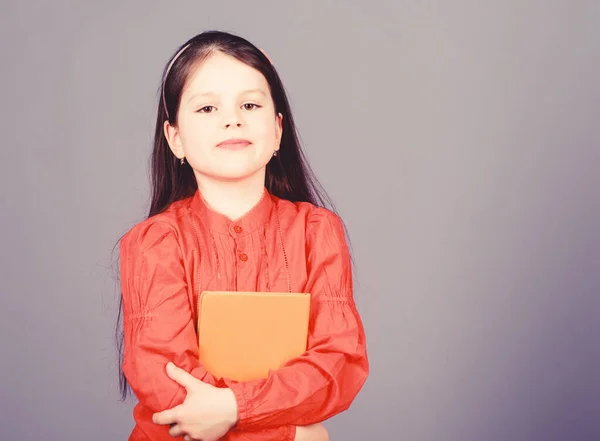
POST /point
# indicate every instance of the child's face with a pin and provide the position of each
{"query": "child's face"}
(223, 99)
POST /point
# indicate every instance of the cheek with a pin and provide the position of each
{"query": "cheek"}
(266, 129)
(196, 136)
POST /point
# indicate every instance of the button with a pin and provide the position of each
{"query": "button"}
(237, 229)
(243, 257)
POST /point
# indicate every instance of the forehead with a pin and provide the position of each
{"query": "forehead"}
(221, 74)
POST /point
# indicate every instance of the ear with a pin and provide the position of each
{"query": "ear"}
(174, 140)
(279, 129)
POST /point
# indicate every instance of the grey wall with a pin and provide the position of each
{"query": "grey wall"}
(458, 139)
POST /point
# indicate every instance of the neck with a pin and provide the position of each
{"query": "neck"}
(232, 198)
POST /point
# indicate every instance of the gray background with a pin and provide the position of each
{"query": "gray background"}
(458, 139)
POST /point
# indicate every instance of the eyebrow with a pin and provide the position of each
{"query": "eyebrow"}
(197, 95)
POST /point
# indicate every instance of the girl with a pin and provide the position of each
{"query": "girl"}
(234, 207)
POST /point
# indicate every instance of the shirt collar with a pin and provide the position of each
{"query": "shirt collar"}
(253, 219)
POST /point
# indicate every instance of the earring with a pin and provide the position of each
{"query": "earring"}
(182, 160)
(275, 153)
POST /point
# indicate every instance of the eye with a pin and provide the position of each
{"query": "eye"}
(251, 104)
(204, 109)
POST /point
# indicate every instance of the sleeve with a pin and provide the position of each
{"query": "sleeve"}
(281, 433)
(327, 377)
(158, 324)
(157, 316)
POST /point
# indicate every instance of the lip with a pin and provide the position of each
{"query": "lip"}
(234, 142)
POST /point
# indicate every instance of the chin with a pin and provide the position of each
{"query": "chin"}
(235, 175)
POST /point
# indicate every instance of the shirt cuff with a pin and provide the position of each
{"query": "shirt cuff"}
(242, 405)
(290, 433)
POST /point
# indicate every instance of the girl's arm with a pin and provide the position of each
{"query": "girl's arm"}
(327, 377)
(159, 327)
(314, 432)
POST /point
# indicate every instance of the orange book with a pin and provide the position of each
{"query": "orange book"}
(244, 335)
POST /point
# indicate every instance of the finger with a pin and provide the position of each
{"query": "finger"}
(187, 438)
(180, 376)
(176, 431)
(168, 416)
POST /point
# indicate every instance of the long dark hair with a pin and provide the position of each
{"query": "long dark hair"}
(288, 175)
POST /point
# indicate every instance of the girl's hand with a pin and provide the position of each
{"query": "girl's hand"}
(207, 413)
(314, 432)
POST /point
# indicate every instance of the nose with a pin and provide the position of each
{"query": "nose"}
(232, 119)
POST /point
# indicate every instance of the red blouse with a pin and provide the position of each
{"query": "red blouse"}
(169, 259)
